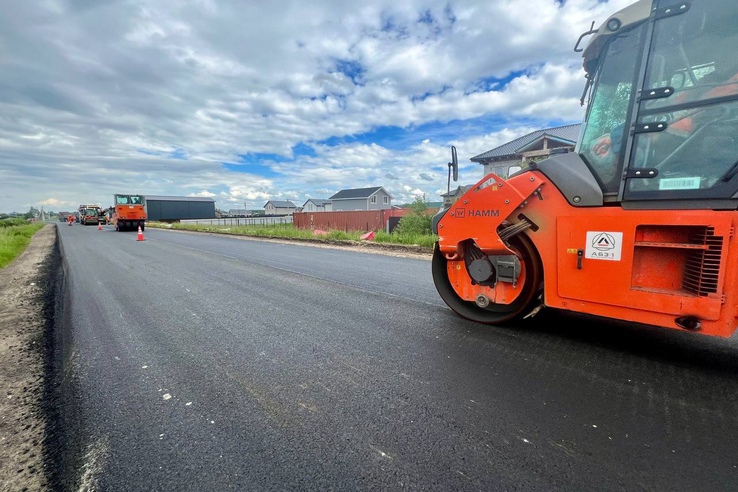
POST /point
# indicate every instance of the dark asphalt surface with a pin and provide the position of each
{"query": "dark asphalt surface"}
(208, 363)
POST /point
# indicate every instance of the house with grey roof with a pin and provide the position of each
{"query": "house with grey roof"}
(317, 205)
(279, 207)
(376, 198)
(451, 197)
(533, 146)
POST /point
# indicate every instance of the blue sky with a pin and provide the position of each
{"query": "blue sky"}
(247, 102)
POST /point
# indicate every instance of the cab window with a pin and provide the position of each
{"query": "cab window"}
(602, 142)
(693, 55)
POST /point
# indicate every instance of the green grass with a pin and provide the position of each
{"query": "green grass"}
(423, 240)
(15, 235)
(289, 232)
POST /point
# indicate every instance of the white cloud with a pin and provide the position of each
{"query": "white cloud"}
(156, 97)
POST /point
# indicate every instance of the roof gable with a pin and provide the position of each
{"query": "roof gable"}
(537, 144)
(354, 193)
(567, 134)
(318, 202)
(280, 204)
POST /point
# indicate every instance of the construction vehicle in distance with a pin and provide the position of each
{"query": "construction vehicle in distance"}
(130, 212)
(639, 223)
(91, 214)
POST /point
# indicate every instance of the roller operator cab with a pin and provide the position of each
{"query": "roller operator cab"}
(639, 223)
(130, 212)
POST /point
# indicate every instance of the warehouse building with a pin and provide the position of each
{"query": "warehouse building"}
(171, 208)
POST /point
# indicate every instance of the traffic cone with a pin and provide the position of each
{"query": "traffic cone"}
(99, 226)
(140, 234)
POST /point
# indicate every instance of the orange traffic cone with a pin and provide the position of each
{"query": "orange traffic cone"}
(99, 226)
(140, 234)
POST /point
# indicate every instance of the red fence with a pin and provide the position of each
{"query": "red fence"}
(369, 220)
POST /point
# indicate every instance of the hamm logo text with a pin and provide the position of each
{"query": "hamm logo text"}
(463, 213)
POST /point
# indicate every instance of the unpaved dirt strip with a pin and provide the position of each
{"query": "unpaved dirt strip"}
(22, 425)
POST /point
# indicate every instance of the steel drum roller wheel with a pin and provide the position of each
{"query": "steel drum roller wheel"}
(494, 313)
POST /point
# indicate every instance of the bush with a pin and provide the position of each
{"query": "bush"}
(18, 221)
(418, 221)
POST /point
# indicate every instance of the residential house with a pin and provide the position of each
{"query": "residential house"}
(279, 207)
(533, 146)
(376, 198)
(317, 205)
(451, 197)
(239, 212)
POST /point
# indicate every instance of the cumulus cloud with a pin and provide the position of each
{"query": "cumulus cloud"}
(178, 98)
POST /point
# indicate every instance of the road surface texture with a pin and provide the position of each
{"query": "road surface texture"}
(198, 362)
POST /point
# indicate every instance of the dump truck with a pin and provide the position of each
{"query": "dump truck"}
(130, 212)
(639, 222)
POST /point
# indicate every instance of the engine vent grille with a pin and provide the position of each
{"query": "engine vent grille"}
(702, 269)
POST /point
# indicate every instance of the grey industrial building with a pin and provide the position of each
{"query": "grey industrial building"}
(165, 208)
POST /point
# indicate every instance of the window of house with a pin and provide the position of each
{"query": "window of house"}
(385, 199)
(374, 199)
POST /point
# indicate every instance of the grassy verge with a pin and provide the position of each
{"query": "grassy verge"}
(15, 235)
(287, 231)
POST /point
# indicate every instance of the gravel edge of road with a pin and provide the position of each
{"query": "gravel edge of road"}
(27, 297)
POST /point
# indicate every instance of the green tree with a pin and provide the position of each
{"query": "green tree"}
(32, 212)
(418, 220)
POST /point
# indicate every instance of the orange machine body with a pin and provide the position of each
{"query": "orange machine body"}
(130, 212)
(652, 268)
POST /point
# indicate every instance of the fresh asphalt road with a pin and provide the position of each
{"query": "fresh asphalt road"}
(208, 363)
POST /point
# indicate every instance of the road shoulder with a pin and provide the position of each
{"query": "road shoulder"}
(22, 323)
